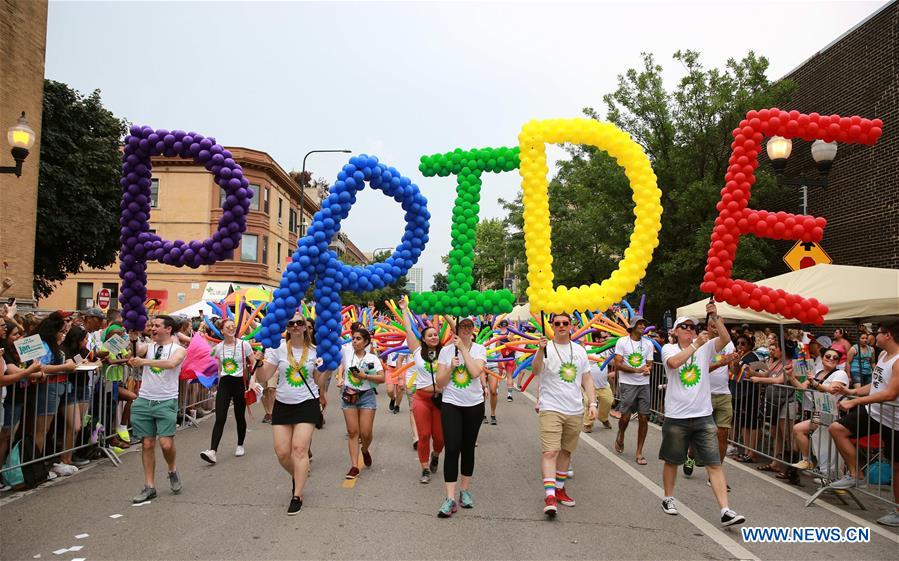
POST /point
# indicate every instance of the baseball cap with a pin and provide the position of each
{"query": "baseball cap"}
(683, 319)
(94, 313)
(62, 313)
(466, 320)
(636, 320)
(824, 341)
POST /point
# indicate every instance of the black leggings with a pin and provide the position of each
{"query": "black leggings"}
(231, 388)
(460, 434)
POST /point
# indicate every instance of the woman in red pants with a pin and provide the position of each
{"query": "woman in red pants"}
(424, 352)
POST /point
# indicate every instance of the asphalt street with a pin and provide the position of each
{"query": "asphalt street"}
(237, 508)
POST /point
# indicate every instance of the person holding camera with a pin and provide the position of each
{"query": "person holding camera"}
(357, 378)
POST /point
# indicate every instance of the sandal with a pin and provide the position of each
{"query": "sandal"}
(767, 467)
(641, 461)
(743, 459)
(619, 448)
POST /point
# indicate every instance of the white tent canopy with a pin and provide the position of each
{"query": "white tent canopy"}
(849, 292)
(193, 310)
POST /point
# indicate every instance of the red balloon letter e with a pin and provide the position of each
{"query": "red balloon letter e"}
(735, 219)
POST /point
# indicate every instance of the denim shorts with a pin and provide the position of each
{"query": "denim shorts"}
(367, 400)
(679, 434)
(47, 397)
(12, 414)
(78, 391)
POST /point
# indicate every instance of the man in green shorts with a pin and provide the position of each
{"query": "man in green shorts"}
(154, 412)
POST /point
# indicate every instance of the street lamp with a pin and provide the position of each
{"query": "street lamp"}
(780, 148)
(21, 138)
(303, 182)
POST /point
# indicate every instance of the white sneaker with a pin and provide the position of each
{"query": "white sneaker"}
(64, 470)
(239, 451)
(4, 487)
(51, 476)
(732, 450)
(208, 455)
(845, 482)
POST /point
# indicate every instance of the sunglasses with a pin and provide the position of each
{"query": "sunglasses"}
(561, 324)
(687, 326)
(297, 323)
(832, 356)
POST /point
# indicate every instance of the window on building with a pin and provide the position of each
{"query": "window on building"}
(267, 190)
(154, 193)
(113, 294)
(249, 248)
(278, 262)
(292, 221)
(85, 293)
(254, 203)
(280, 209)
(265, 250)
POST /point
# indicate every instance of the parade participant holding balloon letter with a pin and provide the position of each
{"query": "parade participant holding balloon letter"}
(564, 372)
(298, 403)
(154, 413)
(688, 410)
(459, 374)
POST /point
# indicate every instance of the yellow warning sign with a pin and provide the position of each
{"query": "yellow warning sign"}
(806, 254)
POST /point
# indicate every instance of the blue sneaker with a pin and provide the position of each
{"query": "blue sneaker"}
(447, 509)
(465, 499)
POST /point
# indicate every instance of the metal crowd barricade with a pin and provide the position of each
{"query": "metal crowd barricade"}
(194, 399)
(80, 419)
(763, 426)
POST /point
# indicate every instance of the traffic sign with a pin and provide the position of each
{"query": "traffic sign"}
(806, 254)
(103, 298)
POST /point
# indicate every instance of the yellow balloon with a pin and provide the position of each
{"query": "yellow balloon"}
(647, 212)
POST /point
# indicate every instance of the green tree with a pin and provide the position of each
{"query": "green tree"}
(687, 134)
(490, 255)
(78, 186)
(441, 283)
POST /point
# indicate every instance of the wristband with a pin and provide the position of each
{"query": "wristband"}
(693, 346)
(593, 405)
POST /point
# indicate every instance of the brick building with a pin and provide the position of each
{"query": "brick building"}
(857, 74)
(23, 34)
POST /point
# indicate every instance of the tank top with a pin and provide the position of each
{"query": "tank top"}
(861, 362)
(886, 413)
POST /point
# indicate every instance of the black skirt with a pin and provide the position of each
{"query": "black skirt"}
(307, 411)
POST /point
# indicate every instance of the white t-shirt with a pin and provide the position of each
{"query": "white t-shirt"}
(720, 376)
(291, 388)
(424, 371)
(462, 390)
(560, 381)
(880, 379)
(158, 384)
(634, 354)
(689, 392)
(369, 363)
(232, 357)
(601, 375)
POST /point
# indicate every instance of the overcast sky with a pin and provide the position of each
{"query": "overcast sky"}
(400, 80)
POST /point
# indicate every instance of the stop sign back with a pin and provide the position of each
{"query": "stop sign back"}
(103, 298)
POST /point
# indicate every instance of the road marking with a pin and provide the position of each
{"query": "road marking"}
(857, 520)
(716, 534)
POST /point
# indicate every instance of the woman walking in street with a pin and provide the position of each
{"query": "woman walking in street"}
(298, 403)
(460, 373)
(424, 351)
(357, 379)
(232, 355)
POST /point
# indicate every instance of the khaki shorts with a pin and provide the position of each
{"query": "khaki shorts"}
(559, 431)
(722, 410)
(272, 382)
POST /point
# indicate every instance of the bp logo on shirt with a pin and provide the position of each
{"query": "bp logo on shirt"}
(461, 377)
(568, 372)
(295, 377)
(230, 366)
(156, 370)
(353, 380)
(690, 375)
(635, 359)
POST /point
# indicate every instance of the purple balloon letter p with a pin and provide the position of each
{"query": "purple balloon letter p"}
(140, 245)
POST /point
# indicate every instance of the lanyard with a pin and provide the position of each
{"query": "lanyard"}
(570, 352)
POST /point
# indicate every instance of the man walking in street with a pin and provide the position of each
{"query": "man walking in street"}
(154, 412)
(688, 410)
(564, 372)
(633, 362)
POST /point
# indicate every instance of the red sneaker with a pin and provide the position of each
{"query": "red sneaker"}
(549, 508)
(353, 473)
(563, 498)
(366, 458)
